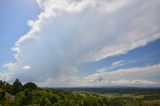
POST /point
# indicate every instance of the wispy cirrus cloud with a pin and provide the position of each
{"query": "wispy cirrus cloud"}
(138, 76)
(118, 63)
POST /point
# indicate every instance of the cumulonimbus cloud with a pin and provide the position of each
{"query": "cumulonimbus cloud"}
(69, 32)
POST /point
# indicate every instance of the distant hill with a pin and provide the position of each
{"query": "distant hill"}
(111, 89)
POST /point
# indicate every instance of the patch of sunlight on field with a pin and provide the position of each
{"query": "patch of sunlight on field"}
(152, 102)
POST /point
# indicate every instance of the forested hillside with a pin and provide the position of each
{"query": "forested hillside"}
(29, 94)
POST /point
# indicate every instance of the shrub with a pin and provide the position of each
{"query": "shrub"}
(17, 87)
(30, 85)
(2, 95)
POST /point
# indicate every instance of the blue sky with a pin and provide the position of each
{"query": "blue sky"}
(80, 43)
(139, 57)
(14, 16)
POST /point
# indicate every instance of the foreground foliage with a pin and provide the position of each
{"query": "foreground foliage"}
(30, 95)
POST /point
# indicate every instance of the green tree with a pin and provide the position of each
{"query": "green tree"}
(42, 101)
(30, 85)
(21, 100)
(53, 99)
(1, 84)
(17, 87)
(2, 94)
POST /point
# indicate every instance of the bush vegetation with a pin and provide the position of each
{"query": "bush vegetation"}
(29, 94)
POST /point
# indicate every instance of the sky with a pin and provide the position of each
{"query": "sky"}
(71, 43)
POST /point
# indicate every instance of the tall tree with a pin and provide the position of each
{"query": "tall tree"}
(17, 87)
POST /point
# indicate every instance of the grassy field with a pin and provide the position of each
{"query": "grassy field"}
(128, 99)
(133, 99)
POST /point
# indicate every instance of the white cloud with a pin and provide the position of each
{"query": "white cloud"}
(118, 63)
(26, 67)
(10, 66)
(69, 32)
(30, 23)
(134, 82)
(114, 5)
(132, 76)
(6, 76)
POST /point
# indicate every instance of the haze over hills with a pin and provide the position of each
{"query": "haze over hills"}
(117, 89)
